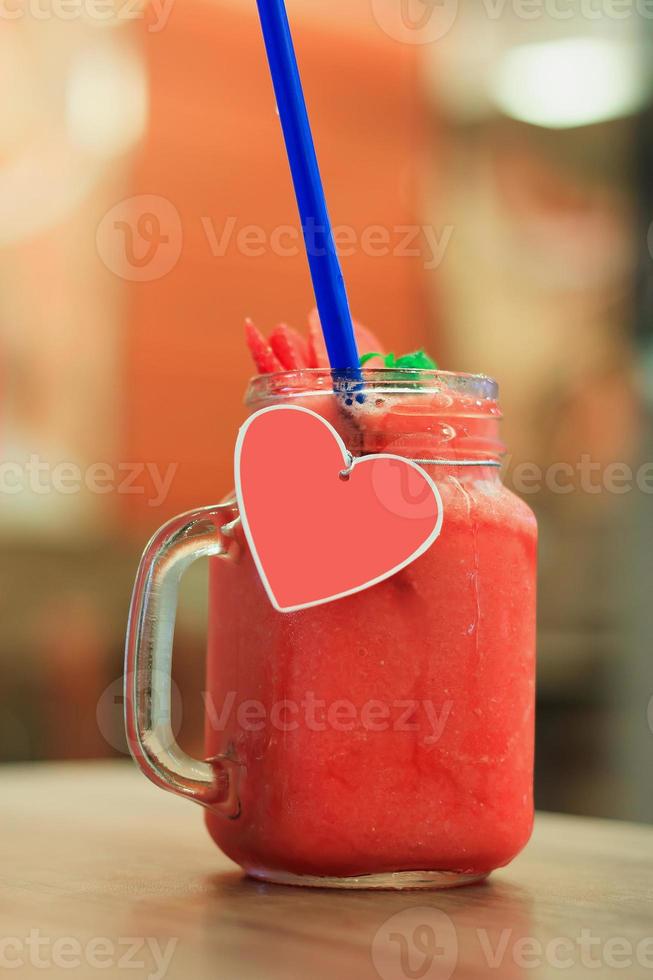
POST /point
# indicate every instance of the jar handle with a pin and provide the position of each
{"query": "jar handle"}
(148, 659)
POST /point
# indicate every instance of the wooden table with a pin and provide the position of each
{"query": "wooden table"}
(97, 867)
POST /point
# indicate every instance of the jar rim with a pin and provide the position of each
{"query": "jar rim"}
(313, 381)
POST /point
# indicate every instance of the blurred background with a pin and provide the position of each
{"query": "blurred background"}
(489, 166)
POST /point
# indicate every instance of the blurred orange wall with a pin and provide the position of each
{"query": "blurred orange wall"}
(214, 150)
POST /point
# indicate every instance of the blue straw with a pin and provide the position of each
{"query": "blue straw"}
(329, 286)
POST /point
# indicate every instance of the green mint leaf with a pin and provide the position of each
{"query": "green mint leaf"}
(418, 359)
(368, 357)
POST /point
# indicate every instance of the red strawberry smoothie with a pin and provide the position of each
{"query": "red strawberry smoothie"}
(389, 731)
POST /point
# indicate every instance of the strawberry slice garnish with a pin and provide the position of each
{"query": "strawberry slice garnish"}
(289, 347)
(264, 357)
(287, 350)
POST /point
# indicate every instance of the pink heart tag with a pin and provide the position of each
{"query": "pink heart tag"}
(315, 536)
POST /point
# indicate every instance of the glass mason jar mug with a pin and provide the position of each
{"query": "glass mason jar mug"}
(384, 739)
